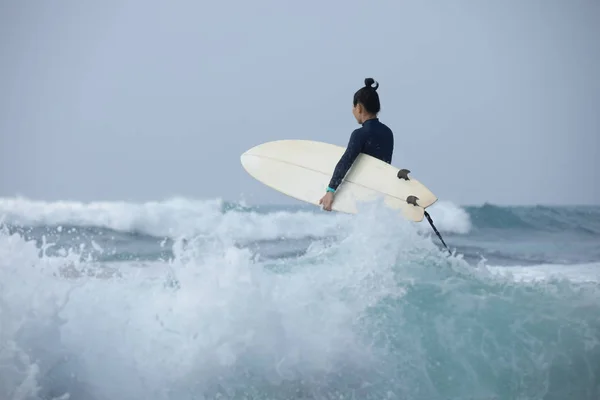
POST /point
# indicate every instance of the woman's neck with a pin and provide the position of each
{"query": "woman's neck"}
(367, 118)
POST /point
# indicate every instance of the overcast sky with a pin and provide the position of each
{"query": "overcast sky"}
(491, 101)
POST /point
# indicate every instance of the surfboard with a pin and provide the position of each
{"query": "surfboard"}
(302, 170)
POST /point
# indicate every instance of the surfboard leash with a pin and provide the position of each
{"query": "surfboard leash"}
(436, 231)
(403, 174)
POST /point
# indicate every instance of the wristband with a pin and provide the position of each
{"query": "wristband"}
(330, 189)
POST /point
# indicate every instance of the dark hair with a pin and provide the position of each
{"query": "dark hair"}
(368, 97)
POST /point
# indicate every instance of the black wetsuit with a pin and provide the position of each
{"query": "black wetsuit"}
(374, 139)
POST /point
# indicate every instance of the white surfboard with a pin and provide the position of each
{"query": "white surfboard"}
(302, 169)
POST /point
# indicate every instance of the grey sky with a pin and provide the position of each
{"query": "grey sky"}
(493, 101)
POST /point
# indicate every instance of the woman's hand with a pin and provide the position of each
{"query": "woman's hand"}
(327, 201)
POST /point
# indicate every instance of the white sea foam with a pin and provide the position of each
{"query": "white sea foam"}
(140, 334)
(183, 217)
(379, 313)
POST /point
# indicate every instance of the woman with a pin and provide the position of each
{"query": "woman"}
(373, 138)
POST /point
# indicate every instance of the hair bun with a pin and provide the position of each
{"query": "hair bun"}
(369, 83)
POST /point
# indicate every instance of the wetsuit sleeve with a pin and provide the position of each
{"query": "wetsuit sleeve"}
(355, 146)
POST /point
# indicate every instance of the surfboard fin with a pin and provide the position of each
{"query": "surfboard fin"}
(412, 200)
(403, 174)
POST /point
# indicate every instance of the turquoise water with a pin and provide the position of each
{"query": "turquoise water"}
(186, 299)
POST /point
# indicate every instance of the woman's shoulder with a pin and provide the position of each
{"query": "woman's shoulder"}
(384, 126)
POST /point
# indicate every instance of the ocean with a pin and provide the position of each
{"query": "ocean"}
(204, 299)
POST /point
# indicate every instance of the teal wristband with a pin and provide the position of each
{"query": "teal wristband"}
(330, 189)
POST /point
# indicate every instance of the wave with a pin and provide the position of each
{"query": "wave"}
(579, 219)
(178, 217)
(184, 217)
(379, 313)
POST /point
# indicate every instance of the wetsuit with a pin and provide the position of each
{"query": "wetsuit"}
(373, 138)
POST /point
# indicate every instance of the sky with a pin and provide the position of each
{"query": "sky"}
(494, 101)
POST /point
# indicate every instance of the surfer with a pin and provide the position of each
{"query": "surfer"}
(373, 138)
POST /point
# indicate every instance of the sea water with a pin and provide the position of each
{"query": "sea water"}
(183, 299)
